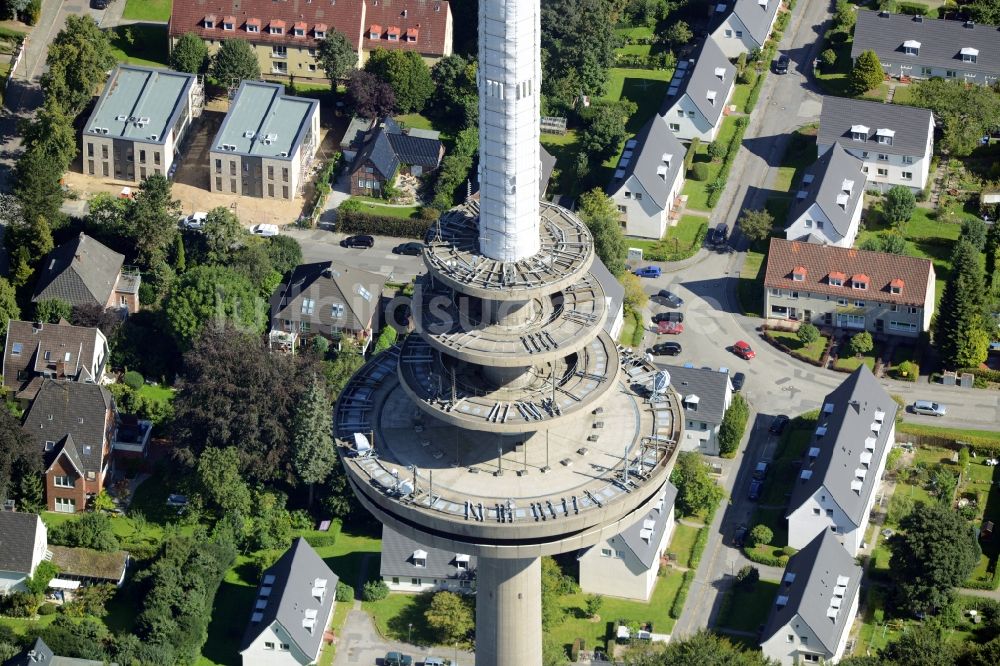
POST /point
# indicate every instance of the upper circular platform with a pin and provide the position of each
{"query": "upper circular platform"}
(452, 255)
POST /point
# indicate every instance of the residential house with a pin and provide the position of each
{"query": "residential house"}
(84, 272)
(389, 150)
(894, 142)
(139, 122)
(409, 566)
(836, 485)
(648, 180)
(919, 47)
(76, 426)
(698, 94)
(886, 294)
(286, 35)
(292, 610)
(746, 26)
(79, 566)
(39, 654)
(36, 350)
(827, 207)
(626, 564)
(328, 300)
(266, 143)
(817, 601)
(354, 137)
(705, 396)
(23, 546)
(614, 296)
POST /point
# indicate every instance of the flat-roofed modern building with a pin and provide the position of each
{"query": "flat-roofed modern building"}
(265, 144)
(139, 122)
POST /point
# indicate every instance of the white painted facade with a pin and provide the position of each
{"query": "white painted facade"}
(815, 222)
(423, 584)
(13, 581)
(275, 647)
(642, 215)
(887, 169)
(700, 435)
(797, 644)
(612, 569)
(733, 37)
(687, 121)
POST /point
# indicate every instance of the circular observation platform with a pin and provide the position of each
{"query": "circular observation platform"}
(562, 323)
(452, 256)
(459, 393)
(508, 495)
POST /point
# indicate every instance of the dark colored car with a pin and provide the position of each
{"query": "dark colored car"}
(781, 65)
(100, 4)
(671, 299)
(738, 380)
(665, 349)
(412, 249)
(718, 235)
(668, 316)
(778, 424)
(397, 659)
(760, 471)
(358, 241)
(755, 488)
(740, 536)
(648, 271)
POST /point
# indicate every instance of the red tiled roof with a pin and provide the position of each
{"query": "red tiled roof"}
(229, 19)
(393, 30)
(825, 261)
(860, 277)
(428, 17)
(277, 23)
(253, 21)
(837, 275)
(896, 283)
(320, 27)
(800, 270)
(301, 25)
(210, 18)
(375, 29)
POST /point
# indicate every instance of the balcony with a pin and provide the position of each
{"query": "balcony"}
(131, 435)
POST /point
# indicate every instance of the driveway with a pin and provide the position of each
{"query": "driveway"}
(360, 643)
(324, 245)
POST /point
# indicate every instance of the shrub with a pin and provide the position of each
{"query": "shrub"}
(386, 339)
(375, 590)
(788, 551)
(764, 558)
(692, 151)
(807, 334)
(700, 541)
(861, 343)
(321, 540)
(344, 592)
(734, 423)
(699, 171)
(133, 380)
(48, 608)
(828, 58)
(907, 371)
(356, 222)
(748, 576)
(716, 151)
(761, 535)
(678, 606)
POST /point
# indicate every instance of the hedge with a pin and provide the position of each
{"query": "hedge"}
(321, 540)
(678, 606)
(692, 151)
(913, 9)
(925, 436)
(767, 560)
(754, 93)
(734, 424)
(356, 222)
(983, 373)
(639, 332)
(698, 548)
(794, 354)
(990, 583)
(719, 184)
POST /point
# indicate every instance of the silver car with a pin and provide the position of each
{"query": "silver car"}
(929, 408)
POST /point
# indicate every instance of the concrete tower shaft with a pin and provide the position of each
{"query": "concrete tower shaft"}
(510, 73)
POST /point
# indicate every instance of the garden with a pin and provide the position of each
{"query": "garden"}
(747, 603)
(140, 44)
(681, 241)
(709, 163)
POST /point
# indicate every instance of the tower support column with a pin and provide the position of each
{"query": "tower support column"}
(508, 611)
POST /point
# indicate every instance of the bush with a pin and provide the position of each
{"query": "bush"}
(763, 558)
(828, 58)
(133, 380)
(807, 334)
(913, 8)
(908, 371)
(716, 151)
(761, 535)
(48, 608)
(356, 222)
(700, 541)
(386, 339)
(748, 576)
(321, 540)
(734, 423)
(678, 606)
(699, 171)
(861, 343)
(692, 151)
(344, 592)
(375, 590)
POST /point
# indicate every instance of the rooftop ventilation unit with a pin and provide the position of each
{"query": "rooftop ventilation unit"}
(646, 535)
(857, 485)
(870, 443)
(648, 524)
(806, 474)
(879, 416)
(249, 134)
(121, 117)
(808, 179)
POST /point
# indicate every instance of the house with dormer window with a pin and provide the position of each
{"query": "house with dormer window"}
(698, 94)
(291, 610)
(35, 351)
(648, 180)
(815, 606)
(841, 471)
(894, 142)
(829, 200)
(845, 288)
(745, 26)
(919, 47)
(705, 396)
(409, 566)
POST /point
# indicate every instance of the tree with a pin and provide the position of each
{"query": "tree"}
(923, 645)
(190, 54)
(599, 214)
(312, 437)
(455, 100)
(678, 34)
(386, 339)
(748, 576)
(992, 249)
(369, 96)
(52, 310)
(91, 530)
(37, 185)
(593, 602)
(734, 423)
(761, 535)
(635, 296)
(965, 114)
(807, 334)
(845, 16)
(605, 130)
(82, 639)
(983, 11)
(704, 647)
(220, 481)
(8, 305)
(578, 49)
(890, 242)
(234, 62)
(39, 581)
(455, 168)
(375, 590)
(51, 133)
(861, 343)
(284, 252)
(151, 221)
(974, 231)
(406, 73)
(867, 73)
(828, 57)
(220, 231)
(756, 224)
(337, 57)
(899, 205)
(450, 617)
(958, 326)
(78, 60)
(20, 457)
(212, 295)
(696, 492)
(934, 551)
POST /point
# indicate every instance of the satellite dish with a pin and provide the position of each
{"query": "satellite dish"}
(661, 381)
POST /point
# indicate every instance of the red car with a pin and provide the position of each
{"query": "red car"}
(671, 327)
(743, 350)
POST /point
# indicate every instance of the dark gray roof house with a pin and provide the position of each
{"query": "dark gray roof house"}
(757, 16)
(644, 535)
(60, 351)
(819, 588)
(922, 47)
(402, 557)
(654, 157)
(81, 272)
(18, 532)
(856, 123)
(703, 392)
(39, 654)
(711, 71)
(74, 417)
(836, 184)
(388, 147)
(294, 602)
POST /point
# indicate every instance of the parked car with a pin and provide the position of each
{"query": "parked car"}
(100, 4)
(755, 487)
(434, 661)
(718, 235)
(668, 316)
(665, 349)
(412, 249)
(672, 299)
(740, 536)
(744, 351)
(928, 408)
(194, 221)
(778, 424)
(648, 271)
(397, 659)
(738, 380)
(670, 328)
(760, 471)
(265, 230)
(781, 65)
(363, 241)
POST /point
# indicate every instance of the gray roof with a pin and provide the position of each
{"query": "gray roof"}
(835, 174)
(397, 559)
(643, 158)
(135, 94)
(710, 387)
(941, 41)
(417, 150)
(701, 77)
(17, 540)
(327, 286)
(911, 125)
(40, 654)
(286, 591)
(380, 153)
(265, 122)
(815, 572)
(80, 271)
(354, 137)
(76, 409)
(757, 18)
(643, 549)
(548, 162)
(847, 415)
(614, 291)
(34, 339)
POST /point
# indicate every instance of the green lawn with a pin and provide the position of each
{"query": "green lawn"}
(852, 363)
(751, 285)
(395, 614)
(903, 95)
(813, 350)
(878, 93)
(833, 80)
(682, 543)
(147, 10)
(413, 120)
(630, 321)
(781, 477)
(746, 609)
(645, 87)
(951, 433)
(378, 207)
(741, 93)
(148, 45)
(697, 191)
(681, 241)
(157, 393)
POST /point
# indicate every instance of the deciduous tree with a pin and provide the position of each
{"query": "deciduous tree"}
(635, 296)
(807, 334)
(756, 224)
(734, 423)
(964, 113)
(696, 491)
(992, 249)
(578, 49)
(867, 73)
(235, 61)
(861, 343)
(51, 133)
(212, 295)
(52, 310)
(337, 57)
(189, 54)
(605, 130)
(78, 59)
(679, 33)
(406, 73)
(450, 616)
(455, 100)
(761, 535)
(151, 221)
(598, 212)
(704, 647)
(899, 205)
(90, 530)
(220, 231)
(312, 437)
(8, 305)
(221, 482)
(37, 186)
(370, 96)
(20, 456)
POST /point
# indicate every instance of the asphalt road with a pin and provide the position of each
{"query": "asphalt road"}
(324, 245)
